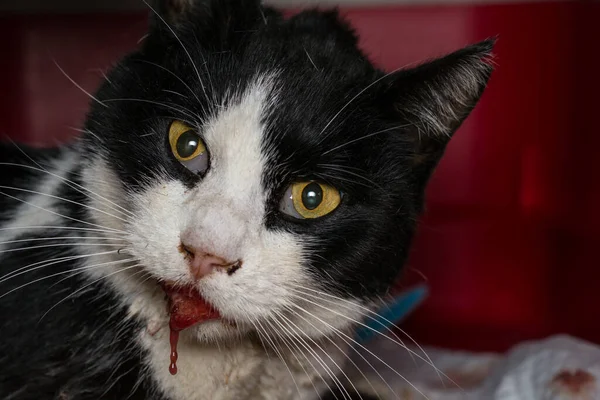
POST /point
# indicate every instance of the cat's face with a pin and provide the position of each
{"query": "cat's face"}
(267, 164)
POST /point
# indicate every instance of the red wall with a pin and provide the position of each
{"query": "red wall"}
(508, 244)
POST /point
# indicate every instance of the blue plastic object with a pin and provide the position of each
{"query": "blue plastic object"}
(392, 313)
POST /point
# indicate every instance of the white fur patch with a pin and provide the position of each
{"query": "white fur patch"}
(36, 209)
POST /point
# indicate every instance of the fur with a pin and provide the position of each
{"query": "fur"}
(90, 229)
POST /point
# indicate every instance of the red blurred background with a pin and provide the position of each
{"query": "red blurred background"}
(509, 242)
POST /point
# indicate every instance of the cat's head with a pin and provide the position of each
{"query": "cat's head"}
(267, 163)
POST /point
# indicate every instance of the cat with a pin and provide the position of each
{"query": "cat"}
(245, 191)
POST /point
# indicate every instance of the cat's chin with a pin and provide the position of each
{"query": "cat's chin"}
(214, 331)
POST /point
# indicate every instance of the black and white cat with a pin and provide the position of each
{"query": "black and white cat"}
(248, 182)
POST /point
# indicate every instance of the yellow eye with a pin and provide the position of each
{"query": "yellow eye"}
(187, 147)
(310, 200)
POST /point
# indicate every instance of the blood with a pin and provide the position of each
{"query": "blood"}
(174, 338)
(186, 308)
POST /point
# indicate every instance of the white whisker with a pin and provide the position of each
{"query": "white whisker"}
(62, 245)
(67, 228)
(364, 137)
(339, 178)
(336, 168)
(86, 131)
(61, 199)
(172, 73)
(310, 59)
(85, 287)
(46, 263)
(175, 93)
(358, 95)
(38, 239)
(182, 46)
(105, 76)
(292, 352)
(39, 280)
(282, 337)
(71, 184)
(140, 40)
(181, 110)
(61, 215)
(298, 339)
(274, 347)
(262, 14)
(204, 63)
(113, 381)
(377, 319)
(40, 168)
(342, 387)
(352, 340)
(78, 271)
(91, 96)
(338, 347)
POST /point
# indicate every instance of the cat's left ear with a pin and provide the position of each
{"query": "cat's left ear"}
(435, 98)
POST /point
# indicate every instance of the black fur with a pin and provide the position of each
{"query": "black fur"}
(62, 337)
(73, 352)
(338, 119)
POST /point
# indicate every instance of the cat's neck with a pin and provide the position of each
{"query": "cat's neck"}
(243, 369)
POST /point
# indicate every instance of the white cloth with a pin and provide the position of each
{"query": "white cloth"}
(558, 368)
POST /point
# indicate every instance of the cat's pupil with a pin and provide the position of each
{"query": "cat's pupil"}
(187, 144)
(312, 196)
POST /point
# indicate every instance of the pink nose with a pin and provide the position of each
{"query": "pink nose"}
(202, 264)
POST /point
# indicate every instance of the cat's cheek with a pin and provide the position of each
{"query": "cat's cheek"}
(108, 207)
(155, 230)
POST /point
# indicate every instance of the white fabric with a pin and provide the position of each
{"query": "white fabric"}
(558, 368)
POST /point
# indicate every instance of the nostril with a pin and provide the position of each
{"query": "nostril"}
(233, 267)
(187, 251)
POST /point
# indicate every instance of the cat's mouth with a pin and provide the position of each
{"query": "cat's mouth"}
(187, 307)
